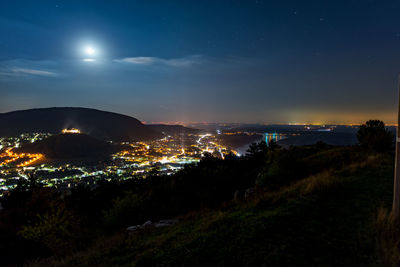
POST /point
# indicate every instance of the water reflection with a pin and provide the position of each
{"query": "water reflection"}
(268, 137)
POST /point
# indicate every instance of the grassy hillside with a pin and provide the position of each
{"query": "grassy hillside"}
(325, 219)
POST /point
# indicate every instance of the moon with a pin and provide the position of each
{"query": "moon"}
(90, 51)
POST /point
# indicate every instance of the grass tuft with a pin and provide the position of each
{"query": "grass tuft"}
(318, 183)
(387, 237)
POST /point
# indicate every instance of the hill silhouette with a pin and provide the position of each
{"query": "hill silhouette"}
(67, 146)
(101, 124)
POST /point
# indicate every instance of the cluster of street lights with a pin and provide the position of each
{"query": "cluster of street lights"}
(15, 156)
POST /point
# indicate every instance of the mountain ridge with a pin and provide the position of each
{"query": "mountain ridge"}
(98, 123)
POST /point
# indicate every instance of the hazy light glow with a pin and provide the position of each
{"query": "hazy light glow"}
(88, 60)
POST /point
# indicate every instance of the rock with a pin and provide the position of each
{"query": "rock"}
(161, 223)
(170, 221)
(164, 223)
(132, 228)
(249, 193)
(139, 226)
(236, 195)
(157, 225)
(148, 223)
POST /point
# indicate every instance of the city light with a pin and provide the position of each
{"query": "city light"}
(71, 131)
(12, 156)
(138, 159)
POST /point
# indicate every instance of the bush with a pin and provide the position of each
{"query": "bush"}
(54, 229)
(127, 210)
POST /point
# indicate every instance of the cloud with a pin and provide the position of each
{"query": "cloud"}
(26, 67)
(138, 60)
(174, 62)
(33, 72)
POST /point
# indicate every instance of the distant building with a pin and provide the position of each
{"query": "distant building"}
(71, 131)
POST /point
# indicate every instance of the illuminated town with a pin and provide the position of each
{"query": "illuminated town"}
(163, 156)
(137, 159)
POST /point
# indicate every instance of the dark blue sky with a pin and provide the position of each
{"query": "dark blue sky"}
(232, 61)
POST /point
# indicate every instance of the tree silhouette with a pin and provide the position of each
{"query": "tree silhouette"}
(374, 136)
(257, 150)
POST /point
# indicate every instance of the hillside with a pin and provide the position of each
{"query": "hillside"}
(324, 220)
(97, 123)
(70, 146)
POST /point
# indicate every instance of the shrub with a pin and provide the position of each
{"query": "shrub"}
(54, 229)
(285, 166)
(127, 210)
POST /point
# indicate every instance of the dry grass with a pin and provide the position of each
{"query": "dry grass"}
(387, 237)
(373, 160)
(92, 256)
(318, 183)
(321, 182)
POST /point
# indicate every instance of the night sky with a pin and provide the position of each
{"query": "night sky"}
(212, 61)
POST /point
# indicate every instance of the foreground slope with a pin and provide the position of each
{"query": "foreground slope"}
(101, 124)
(323, 220)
